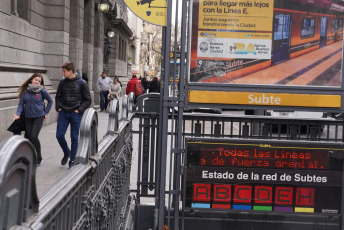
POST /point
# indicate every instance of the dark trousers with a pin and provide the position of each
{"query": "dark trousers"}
(33, 127)
(63, 121)
(104, 99)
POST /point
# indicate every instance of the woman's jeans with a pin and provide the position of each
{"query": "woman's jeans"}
(63, 121)
(33, 127)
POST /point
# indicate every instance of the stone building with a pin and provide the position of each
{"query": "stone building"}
(41, 35)
(142, 56)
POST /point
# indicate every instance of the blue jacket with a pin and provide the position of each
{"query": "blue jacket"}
(33, 104)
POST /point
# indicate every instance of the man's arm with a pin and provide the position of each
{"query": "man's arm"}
(58, 97)
(98, 84)
(86, 98)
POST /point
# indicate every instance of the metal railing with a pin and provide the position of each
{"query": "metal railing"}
(327, 130)
(94, 194)
(263, 127)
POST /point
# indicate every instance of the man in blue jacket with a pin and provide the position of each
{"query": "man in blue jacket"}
(72, 99)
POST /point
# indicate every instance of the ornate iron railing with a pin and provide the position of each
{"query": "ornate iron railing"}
(94, 194)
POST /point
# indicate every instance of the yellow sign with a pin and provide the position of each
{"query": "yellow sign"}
(268, 99)
(152, 11)
(236, 15)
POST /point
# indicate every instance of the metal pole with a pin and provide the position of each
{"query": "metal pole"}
(164, 119)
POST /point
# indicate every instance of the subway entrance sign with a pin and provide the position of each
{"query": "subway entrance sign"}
(265, 180)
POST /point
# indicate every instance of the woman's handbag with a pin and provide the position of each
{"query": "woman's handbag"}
(18, 125)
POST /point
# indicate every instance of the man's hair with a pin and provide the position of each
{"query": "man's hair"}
(69, 66)
(134, 75)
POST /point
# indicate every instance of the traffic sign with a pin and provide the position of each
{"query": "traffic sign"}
(152, 11)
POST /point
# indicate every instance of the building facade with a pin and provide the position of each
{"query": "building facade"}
(38, 36)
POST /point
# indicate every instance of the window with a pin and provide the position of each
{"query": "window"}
(332, 26)
(119, 47)
(340, 24)
(125, 50)
(21, 8)
(281, 26)
(307, 27)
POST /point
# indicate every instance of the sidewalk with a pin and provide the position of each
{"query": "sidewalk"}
(51, 169)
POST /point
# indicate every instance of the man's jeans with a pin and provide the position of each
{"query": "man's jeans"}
(63, 120)
(104, 99)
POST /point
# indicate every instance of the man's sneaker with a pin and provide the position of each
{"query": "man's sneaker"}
(71, 164)
(39, 161)
(65, 159)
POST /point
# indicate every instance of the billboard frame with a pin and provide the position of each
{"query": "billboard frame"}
(259, 88)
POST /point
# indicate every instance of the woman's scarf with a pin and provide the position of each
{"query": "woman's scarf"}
(34, 88)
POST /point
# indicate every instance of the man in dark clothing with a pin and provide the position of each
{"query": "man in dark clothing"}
(72, 99)
(145, 84)
(84, 76)
(154, 86)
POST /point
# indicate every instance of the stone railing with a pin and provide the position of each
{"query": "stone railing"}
(94, 194)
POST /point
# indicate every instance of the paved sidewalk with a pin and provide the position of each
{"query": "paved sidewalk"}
(51, 169)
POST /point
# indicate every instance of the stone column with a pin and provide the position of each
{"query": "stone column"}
(136, 64)
(56, 48)
(76, 33)
(98, 53)
(89, 41)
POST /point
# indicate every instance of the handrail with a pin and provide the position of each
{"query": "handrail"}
(18, 192)
(113, 118)
(88, 144)
(99, 172)
(131, 103)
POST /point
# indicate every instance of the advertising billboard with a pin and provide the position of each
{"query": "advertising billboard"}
(257, 175)
(273, 43)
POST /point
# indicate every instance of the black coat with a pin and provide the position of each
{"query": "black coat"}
(154, 86)
(73, 94)
(18, 125)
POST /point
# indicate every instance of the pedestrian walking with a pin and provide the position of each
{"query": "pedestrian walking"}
(115, 89)
(72, 99)
(145, 84)
(32, 95)
(103, 84)
(84, 76)
(135, 86)
(154, 86)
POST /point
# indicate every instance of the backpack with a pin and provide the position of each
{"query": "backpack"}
(138, 89)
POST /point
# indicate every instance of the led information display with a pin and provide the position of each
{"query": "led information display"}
(269, 176)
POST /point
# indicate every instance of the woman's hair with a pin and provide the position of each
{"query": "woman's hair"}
(23, 87)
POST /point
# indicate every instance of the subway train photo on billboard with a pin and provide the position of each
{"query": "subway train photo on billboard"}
(301, 45)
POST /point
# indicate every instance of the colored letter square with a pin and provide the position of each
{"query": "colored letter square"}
(263, 194)
(222, 193)
(284, 195)
(304, 197)
(202, 192)
(242, 194)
